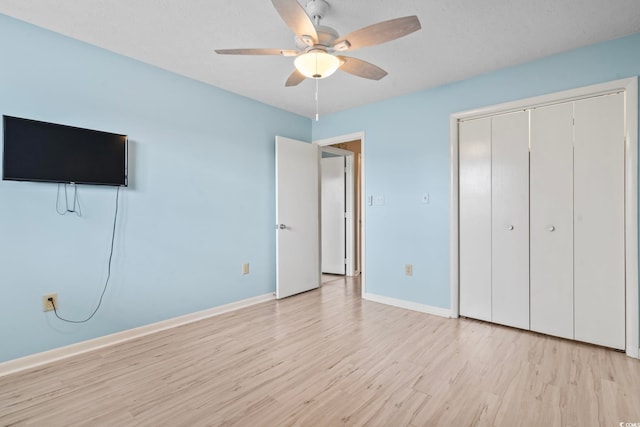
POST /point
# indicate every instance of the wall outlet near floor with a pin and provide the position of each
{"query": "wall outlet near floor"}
(245, 268)
(46, 304)
(408, 269)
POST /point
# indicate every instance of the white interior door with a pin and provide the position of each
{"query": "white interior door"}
(551, 234)
(297, 217)
(475, 218)
(510, 219)
(333, 227)
(599, 253)
(358, 216)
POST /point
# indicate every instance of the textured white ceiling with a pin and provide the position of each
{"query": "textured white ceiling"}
(459, 39)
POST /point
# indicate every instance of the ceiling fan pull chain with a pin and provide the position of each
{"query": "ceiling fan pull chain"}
(317, 115)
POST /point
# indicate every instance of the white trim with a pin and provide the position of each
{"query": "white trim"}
(49, 356)
(454, 217)
(339, 139)
(408, 305)
(350, 223)
(548, 99)
(349, 206)
(630, 87)
(346, 138)
(631, 217)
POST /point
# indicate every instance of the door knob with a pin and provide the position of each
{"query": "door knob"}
(510, 227)
(282, 226)
(551, 228)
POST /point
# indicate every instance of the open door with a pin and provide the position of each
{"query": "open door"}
(297, 217)
(333, 215)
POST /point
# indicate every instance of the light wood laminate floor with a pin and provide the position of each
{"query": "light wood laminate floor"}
(328, 358)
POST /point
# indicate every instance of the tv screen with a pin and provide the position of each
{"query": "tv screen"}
(48, 152)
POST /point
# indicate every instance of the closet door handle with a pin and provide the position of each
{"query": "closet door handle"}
(551, 228)
(510, 227)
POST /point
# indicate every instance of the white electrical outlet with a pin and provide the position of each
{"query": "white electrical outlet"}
(245, 268)
(408, 269)
(48, 305)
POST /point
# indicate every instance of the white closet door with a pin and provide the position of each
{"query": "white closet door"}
(551, 233)
(599, 221)
(475, 218)
(510, 219)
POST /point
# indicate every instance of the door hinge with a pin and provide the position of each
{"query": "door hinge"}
(345, 261)
(346, 215)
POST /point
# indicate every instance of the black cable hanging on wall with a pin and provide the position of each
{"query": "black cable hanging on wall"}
(76, 209)
(106, 283)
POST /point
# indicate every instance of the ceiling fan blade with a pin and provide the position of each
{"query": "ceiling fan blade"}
(361, 68)
(294, 15)
(381, 32)
(295, 78)
(283, 52)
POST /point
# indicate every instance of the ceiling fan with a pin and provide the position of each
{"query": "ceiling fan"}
(317, 44)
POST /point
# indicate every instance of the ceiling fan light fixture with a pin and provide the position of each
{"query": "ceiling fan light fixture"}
(317, 64)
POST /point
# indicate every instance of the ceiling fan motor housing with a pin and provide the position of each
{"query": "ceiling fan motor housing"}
(326, 37)
(317, 9)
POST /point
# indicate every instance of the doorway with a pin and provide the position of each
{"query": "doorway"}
(336, 210)
(351, 147)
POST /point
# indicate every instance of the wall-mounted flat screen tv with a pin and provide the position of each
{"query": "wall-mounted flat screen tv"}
(48, 152)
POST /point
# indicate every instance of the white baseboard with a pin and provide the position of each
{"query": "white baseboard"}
(409, 305)
(38, 359)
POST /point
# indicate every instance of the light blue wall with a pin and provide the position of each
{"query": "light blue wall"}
(200, 201)
(407, 154)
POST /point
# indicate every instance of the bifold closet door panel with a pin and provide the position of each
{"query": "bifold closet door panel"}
(551, 220)
(475, 218)
(510, 219)
(599, 254)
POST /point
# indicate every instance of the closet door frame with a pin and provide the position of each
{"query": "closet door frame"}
(629, 87)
